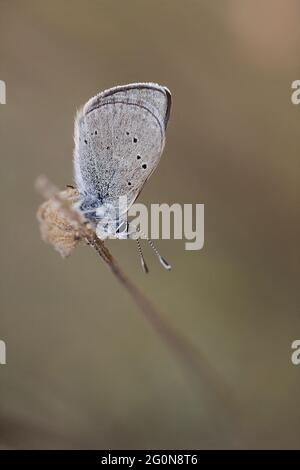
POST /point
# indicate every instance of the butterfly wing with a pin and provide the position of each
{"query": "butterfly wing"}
(119, 139)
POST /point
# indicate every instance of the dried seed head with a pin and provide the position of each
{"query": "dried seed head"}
(55, 226)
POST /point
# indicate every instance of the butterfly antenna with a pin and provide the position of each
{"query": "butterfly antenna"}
(143, 262)
(162, 261)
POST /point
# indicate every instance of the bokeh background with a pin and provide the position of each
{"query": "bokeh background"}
(84, 368)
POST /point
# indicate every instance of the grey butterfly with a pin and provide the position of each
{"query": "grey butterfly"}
(119, 139)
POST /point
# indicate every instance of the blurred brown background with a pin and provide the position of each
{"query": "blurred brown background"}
(84, 368)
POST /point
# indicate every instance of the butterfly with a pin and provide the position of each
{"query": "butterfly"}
(119, 139)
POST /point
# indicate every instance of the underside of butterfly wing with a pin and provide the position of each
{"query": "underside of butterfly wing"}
(119, 138)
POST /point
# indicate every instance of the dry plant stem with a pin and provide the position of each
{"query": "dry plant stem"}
(212, 387)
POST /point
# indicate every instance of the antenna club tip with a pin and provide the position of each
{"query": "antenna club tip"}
(146, 270)
(165, 264)
(144, 266)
